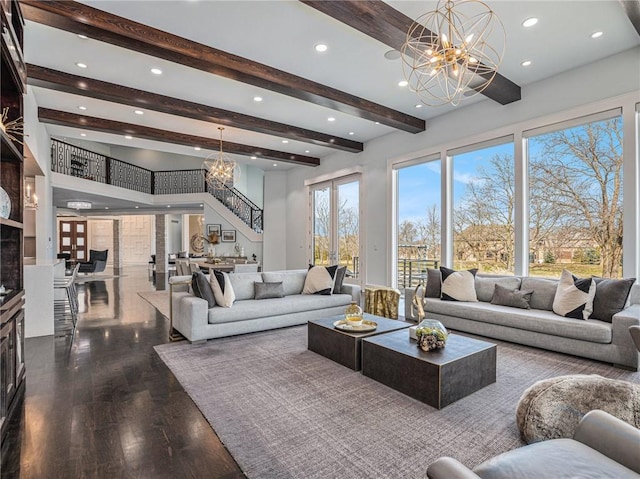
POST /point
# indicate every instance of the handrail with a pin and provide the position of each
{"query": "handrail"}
(75, 161)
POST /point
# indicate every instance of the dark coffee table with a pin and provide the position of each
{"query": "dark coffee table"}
(438, 377)
(345, 347)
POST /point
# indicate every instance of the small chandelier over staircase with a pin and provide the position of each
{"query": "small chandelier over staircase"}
(221, 169)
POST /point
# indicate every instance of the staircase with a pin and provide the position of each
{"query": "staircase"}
(75, 161)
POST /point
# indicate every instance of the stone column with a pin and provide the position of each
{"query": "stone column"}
(162, 268)
(117, 247)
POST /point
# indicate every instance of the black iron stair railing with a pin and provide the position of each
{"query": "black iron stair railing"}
(75, 161)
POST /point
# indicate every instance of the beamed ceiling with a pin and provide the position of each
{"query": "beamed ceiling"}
(216, 56)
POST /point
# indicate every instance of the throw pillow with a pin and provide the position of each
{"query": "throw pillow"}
(434, 284)
(269, 290)
(202, 289)
(340, 273)
(486, 285)
(611, 297)
(319, 280)
(511, 297)
(574, 296)
(458, 285)
(222, 289)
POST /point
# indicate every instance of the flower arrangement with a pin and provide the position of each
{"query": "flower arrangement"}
(431, 335)
(13, 127)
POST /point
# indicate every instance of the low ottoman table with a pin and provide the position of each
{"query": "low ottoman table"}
(438, 377)
(345, 347)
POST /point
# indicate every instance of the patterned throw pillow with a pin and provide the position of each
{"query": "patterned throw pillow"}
(222, 289)
(319, 280)
(574, 296)
(458, 285)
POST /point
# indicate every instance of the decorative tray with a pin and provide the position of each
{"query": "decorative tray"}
(365, 327)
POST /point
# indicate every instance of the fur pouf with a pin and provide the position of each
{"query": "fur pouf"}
(553, 407)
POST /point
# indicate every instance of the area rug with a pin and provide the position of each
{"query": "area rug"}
(157, 299)
(286, 412)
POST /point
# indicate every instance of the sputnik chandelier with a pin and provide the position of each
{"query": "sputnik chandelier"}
(447, 57)
(220, 169)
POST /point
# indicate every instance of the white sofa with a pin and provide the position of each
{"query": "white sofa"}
(196, 322)
(540, 326)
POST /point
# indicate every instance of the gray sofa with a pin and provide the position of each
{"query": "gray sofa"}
(539, 326)
(196, 322)
(602, 447)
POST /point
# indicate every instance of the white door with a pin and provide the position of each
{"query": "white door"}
(335, 225)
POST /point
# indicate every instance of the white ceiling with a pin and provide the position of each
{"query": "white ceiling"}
(282, 34)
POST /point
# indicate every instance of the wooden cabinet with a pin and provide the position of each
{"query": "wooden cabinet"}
(13, 80)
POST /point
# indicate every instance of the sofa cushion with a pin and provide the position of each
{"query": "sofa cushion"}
(515, 298)
(222, 289)
(611, 297)
(544, 291)
(292, 281)
(434, 284)
(558, 458)
(265, 308)
(202, 288)
(320, 280)
(485, 285)
(243, 284)
(269, 290)
(574, 296)
(458, 285)
(538, 321)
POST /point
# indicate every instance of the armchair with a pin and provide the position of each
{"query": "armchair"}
(97, 262)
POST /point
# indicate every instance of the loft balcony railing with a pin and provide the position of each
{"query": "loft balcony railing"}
(75, 161)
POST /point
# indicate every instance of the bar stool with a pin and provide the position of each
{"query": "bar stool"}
(65, 303)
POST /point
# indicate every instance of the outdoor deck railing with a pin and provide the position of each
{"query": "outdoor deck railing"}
(413, 271)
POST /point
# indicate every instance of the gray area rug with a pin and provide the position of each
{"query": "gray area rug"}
(157, 299)
(286, 412)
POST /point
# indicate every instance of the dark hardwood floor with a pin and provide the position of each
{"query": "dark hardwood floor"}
(106, 406)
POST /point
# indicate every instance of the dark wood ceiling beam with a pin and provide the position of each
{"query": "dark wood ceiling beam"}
(632, 9)
(384, 23)
(63, 118)
(99, 25)
(77, 85)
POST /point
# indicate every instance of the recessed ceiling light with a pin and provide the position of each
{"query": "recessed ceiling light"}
(403, 83)
(128, 137)
(529, 22)
(352, 133)
(83, 134)
(526, 63)
(254, 157)
(168, 206)
(285, 141)
(596, 34)
(392, 54)
(321, 47)
(138, 112)
(419, 105)
(197, 148)
(82, 107)
(257, 98)
(275, 164)
(137, 207)
(377, 122)
(106, 207)
(331, 119)
(201, 205)
(306, 151)
(81, 65)
(84, 37)
(156, 71)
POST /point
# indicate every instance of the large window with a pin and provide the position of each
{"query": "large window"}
(575, 191)
(484, 205)
(418, 229)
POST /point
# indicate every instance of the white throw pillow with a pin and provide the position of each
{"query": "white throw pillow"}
(319, 280)
(574, 296)
(458, 285)
(222, 289)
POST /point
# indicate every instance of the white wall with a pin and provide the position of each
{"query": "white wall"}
(211, 216)
(547, 100)
(276, 220)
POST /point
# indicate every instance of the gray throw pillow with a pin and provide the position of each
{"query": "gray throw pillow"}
(434, 284)
(511, 297)
(269, 290)
(611, 297)
(202, 288)
(340, 273)
(486, 285)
